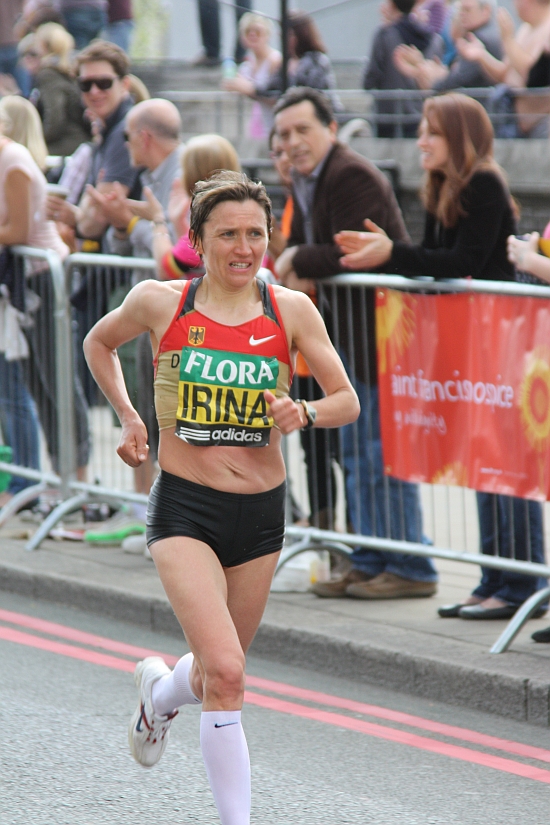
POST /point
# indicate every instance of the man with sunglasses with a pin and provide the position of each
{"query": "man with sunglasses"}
(104, 85)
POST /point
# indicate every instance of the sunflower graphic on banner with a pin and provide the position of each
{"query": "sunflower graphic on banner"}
(465, 390)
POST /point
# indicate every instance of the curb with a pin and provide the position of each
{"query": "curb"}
(513, 697)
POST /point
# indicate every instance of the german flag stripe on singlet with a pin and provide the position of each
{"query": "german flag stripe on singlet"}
(210, 377)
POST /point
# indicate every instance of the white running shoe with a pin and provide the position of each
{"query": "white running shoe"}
(135, 545)
(148, 733)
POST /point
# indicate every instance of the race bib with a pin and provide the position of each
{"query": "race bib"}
(220, 398)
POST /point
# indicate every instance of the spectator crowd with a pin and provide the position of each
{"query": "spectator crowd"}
(433, 46)
(124, 187)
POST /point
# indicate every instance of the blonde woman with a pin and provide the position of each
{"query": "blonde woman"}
(56, 94)
(25, 150)
(260, 63)
(22, 124)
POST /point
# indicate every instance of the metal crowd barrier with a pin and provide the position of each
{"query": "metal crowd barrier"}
(38, 384)
(320, 465)
(386, 112)
(396, 112)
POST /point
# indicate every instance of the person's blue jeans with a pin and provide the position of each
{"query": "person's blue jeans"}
(379, 505)
(19, 421)
(511, 528)
(119, 33)
(9, 65)
(84, 24)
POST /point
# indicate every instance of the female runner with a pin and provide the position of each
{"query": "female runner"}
(225, 346)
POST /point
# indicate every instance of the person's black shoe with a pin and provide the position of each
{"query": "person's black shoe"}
(476, 611)
(449, 611)
(542, 636)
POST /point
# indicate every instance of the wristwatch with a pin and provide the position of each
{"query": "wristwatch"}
(311, 413)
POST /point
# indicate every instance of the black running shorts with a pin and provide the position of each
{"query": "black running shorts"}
(237, 527)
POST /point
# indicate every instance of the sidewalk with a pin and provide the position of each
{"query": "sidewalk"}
(400, 644)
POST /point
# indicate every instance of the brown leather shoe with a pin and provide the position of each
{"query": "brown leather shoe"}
(336, 588)
(390, 586)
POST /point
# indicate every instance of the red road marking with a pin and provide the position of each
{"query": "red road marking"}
(61, 649)
(81, 636)
(476, 738)
(400, 736)
(282, 706)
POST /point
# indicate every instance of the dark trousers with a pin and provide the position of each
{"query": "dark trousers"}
(84, 24)
(209, 17)
(511, 528)
(320, 448)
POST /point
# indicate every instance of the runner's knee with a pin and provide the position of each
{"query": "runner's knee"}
(225, 677)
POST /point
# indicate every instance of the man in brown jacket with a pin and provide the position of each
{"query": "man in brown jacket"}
(334, 188)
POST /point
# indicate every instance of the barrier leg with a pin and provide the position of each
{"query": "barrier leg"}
(305, 544)
(518, 620)
(67, 506)
(20, 499)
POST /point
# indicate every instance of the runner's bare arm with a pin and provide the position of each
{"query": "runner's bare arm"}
(142, 311)
(308, 333)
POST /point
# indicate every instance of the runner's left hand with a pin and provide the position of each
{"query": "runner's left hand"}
(287, 415)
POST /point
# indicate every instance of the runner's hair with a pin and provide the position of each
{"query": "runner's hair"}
(219, 188)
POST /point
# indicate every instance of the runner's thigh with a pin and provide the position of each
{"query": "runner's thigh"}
(247, 593)
(195, 584)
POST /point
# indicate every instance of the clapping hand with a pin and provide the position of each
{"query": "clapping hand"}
(407, 60)
(470, 47)
(149, 209)
(364, 250)
(111, 204)
(58, 209)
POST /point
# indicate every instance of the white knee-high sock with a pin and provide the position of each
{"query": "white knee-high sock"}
(227, 763)
(174, 690)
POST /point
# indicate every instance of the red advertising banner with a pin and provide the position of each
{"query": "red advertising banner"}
(465, 390)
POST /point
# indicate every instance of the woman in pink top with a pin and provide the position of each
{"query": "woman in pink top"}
(23, 221)
(17, 163)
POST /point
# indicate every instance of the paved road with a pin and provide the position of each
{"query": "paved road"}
(321, 757)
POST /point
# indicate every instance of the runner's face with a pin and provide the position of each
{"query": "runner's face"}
(234, 242)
